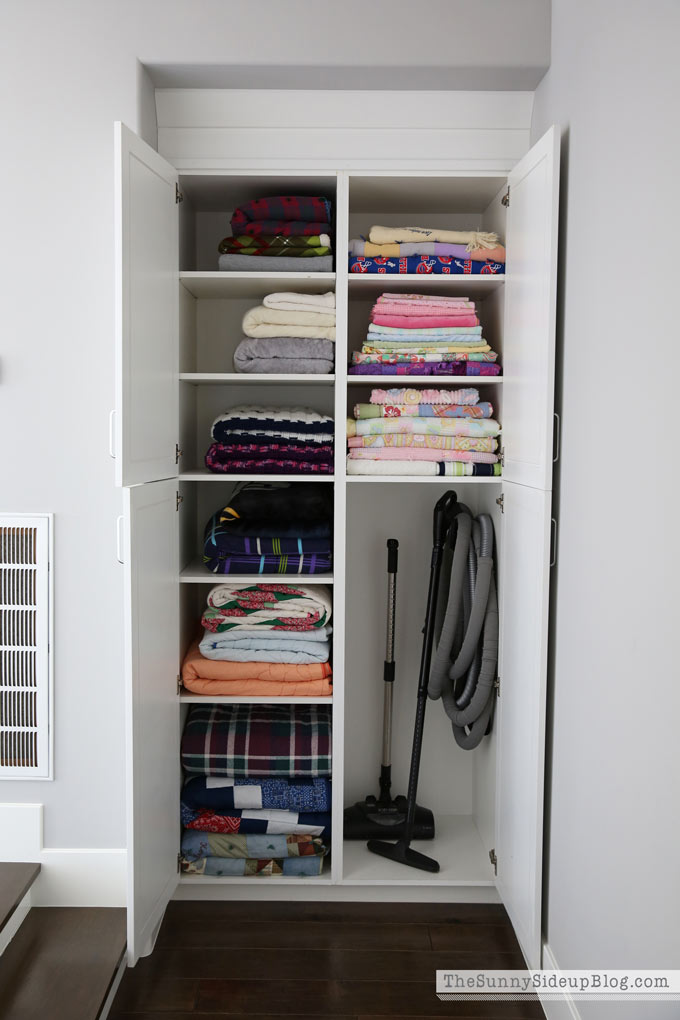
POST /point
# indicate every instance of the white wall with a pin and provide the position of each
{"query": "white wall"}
(68, 69)
(613, 887)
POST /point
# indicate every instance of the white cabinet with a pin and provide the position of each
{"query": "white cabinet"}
(179, 321)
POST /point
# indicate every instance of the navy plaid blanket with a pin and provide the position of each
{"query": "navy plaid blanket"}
(257, 740)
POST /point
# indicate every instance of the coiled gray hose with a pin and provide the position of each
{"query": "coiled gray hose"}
(463, 671)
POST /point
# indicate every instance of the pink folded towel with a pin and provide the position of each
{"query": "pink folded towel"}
(424, 322)
(426, 299)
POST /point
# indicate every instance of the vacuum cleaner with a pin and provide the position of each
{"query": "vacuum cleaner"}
(384, 815)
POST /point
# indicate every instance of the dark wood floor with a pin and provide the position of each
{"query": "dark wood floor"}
(314, 960)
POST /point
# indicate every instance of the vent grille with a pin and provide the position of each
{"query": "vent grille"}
(25, 661)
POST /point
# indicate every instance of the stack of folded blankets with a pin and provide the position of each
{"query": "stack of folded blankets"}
(283, 234)
(257, 793)
(282, 528)
(289, 333)
(271, 440)
(426, 250)
(262, 640)
(423, 432)
(424, 334)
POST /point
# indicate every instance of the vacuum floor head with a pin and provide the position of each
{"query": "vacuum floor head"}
(402, 853)
(371, 819)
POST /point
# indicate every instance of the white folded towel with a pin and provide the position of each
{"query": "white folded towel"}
(288, 301)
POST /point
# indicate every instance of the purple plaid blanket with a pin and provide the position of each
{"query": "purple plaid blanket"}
(257, 740)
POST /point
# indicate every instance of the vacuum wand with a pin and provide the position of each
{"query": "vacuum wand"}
(388, 671)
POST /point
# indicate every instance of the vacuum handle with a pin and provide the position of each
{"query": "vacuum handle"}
(392, 559)
(392, 555)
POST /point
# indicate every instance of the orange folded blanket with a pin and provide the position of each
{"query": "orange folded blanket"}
(252, 679)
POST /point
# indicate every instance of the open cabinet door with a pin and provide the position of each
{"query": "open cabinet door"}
(529, 329)
(521, 709)
(147, 296)
(152, 707)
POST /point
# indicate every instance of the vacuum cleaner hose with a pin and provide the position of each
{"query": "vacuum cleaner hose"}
(464, 667)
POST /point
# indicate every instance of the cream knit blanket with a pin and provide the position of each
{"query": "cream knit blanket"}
(471, 238)
(289, 302)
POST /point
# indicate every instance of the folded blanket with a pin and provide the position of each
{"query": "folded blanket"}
(422, 309)
(470, 238)
(428, 264)
(222, 455)
(379, 347)
(485, 444)
(406, 468)
(240, 607)
(221, 794)
(457, 368)
(410, 395)
(259, 545)
(225, 867)
(276, 741)
(396, 250)
(261, 315)
(256, 418)
(274, 264)
(243, 563)
(427, 426)
(282, 214)
(297, 246)
(424, 321)
(268, 820)
(481, 410)
(270, 684)
(413, 357)
(279, 355)
(292, 302)
(281, 465)
(421, 339)
(415, 453)
(279, 510)
(298, 649)
(196, 845)
(425, 300)
(466, 331)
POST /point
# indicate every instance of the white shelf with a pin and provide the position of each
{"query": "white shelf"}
(254, 285)
(197, 573)
(439, 382)
(268, 379)
(417, 479)
(365, 286)
(187, 698)
(463, 859)
(203, 475)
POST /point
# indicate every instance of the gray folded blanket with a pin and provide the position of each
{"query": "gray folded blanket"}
(285, 353)
(275, 264)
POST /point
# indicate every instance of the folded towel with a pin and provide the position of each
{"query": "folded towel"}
(406, 395)
(424, 321)
(395, 250)
(288, 301)
(265, 647)
(470, 238)
(446, 331)
(245, 678)
(426, 426)
(261, 315)
(274, 264)
(419, 348)
(278, 355)
(422, 308)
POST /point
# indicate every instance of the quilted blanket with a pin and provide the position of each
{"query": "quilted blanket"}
(257, 740)
(230, 867)
(260, 846)
(267, 606)
(264, 821)
(220, 794)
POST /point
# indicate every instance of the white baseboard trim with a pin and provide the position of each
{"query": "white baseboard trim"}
(557, 1010)
(68, 877)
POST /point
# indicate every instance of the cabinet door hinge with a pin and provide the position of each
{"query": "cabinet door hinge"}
(178, 452)
(501, 503)
(179, 684)
(506, 198)
(179, 197)
(494, 861)
(497, 685)
(179, 499)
